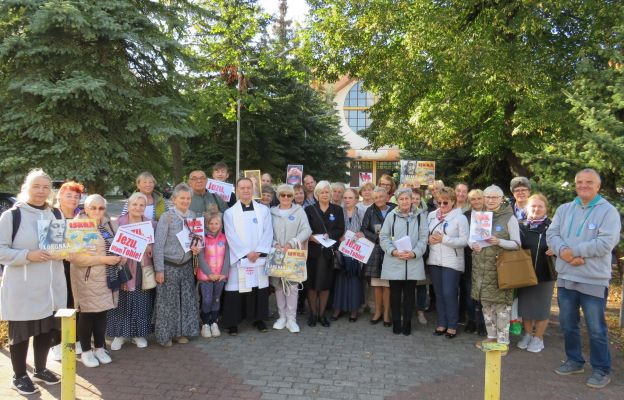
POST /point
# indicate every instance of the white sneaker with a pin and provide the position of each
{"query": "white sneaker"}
(102, 356)
(140, 342)
(57, 353)
(280, 323)
(292, 326)
(214, 329)
(524, 342)
(536, 345)
(421, 318)
(205, 331)
(78, 349)
(117, 343)
(89, 360)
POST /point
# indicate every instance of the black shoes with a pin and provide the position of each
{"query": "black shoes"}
(353, 319)
(387, 324)
(24, 385)
(233, 331)
(471, 327)
(260, 326)
(439, 333)
(335, 317)
(407, 328)
(375, 321)
(396, 328)
(312, 320)
(450, 335)
(46, 376)
(324, 322)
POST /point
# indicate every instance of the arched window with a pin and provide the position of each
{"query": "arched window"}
(356, 107)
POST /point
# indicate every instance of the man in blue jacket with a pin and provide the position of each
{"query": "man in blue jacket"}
(582, 235)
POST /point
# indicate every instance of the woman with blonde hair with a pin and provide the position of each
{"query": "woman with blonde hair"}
(33, 283)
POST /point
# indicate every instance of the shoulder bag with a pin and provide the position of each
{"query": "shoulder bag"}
(515, 269)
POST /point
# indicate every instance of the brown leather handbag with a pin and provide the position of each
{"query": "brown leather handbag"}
(515, 269)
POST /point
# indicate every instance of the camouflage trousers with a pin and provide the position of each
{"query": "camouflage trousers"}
(497, 317)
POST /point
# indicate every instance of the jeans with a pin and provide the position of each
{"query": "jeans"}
(570, 301)
(421, 297)
(446, 285)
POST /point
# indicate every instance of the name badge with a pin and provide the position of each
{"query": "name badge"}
(498, 228)
(591, 226)
(220, 244)
(255, 220)
(292, 218)
(331, 217)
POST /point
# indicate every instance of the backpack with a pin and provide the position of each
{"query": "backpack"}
(17, 219)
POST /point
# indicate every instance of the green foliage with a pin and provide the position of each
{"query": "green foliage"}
(283, 120)
(88, 88)
(479, 85)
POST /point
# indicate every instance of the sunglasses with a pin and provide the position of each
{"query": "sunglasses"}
(444, 203)
(97, 208)
(286, 195)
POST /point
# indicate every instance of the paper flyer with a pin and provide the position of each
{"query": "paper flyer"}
(145, 229)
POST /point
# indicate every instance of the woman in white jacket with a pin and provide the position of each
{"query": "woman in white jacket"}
(290, 228)
(33, 285)
(448, 235)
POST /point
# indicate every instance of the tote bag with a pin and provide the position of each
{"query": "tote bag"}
(515, 269)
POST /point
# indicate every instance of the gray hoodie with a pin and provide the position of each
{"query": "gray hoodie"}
(591, 233)
(30, 290)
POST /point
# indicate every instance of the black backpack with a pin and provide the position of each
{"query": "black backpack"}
(17, 219)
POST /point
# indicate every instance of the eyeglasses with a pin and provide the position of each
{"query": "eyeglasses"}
(97, 208)
(444, 203)
(518, 190)
(286, 195)
(492, 197)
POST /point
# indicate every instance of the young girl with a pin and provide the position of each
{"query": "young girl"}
(214, 263)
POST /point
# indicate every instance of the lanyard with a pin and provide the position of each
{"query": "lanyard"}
(590, 206)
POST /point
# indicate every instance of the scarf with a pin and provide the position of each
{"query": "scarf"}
(535, 223)
(440, 216)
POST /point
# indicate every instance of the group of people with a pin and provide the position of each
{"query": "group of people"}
(420, 247)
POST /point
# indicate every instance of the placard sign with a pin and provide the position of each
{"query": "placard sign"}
(145, 229)
(360, 249)
(128, 244)
(221, 189)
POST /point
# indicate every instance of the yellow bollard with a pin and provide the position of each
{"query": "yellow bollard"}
(492, 368)
(68, 344)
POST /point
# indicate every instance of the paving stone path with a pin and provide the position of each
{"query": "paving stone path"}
(346, 361)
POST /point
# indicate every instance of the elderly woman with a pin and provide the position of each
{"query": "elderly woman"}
(156, 204)
(29, 297)
(132, 319)
(348, 294)
(176, 313)
(290, 230)
(448, 235)
(326, 219)
(520, 188)
(337, 190)
(403, 267)
(371, 226)
(496, 303)
(474, 315)
(366, 193)
(89, 275)
(68, 201)
(534, 301)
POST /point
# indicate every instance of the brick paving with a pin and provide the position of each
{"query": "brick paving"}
(346, 361)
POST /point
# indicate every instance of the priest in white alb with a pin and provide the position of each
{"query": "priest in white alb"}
(249, 232)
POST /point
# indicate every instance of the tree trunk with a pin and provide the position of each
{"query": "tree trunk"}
(513, 162)
(176, 158)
